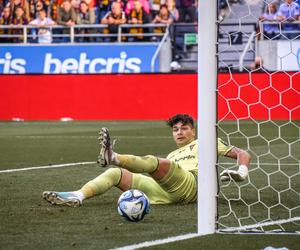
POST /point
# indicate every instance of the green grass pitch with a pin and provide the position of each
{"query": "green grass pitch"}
(28, 222)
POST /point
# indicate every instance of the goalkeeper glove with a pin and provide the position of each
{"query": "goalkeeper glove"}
(239, 175)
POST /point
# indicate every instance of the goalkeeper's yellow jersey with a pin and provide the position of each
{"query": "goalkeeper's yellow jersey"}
(187, 156)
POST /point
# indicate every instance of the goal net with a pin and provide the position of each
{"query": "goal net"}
(259, 111)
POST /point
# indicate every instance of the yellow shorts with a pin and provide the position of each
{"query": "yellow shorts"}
(178, 186)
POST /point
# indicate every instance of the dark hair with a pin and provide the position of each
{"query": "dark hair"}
(184, 118)
(163, 6)
(19, 7)
(84, 2)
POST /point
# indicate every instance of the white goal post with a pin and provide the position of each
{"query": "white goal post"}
(259, 111)
(207, 78)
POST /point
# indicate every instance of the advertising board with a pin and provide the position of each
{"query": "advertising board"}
(146, 96)
(82, 59)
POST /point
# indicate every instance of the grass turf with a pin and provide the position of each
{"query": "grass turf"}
(28, 222)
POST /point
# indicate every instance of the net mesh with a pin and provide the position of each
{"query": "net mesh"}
(259, 111)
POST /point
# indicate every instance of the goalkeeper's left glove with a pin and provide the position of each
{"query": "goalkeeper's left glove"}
(239, 175)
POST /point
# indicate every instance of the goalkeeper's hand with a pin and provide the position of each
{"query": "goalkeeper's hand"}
(238, 176)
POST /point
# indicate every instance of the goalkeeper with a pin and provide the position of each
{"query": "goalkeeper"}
(171, 180)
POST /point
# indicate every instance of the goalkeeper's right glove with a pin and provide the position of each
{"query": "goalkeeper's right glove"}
(238, 176)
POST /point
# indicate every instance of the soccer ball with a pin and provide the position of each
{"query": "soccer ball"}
(133, 205)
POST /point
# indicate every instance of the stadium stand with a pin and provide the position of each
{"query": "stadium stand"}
(102, 27)
(100, 24)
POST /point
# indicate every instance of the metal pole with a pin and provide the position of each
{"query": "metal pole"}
(25, 34)
(207, 76)
(72, 34)
(119, 33)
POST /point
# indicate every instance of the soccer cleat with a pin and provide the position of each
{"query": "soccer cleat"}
(105, 154)
(228, 175)
(61, 198)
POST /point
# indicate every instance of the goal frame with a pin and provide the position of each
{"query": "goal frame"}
(209, 221)
(207, 153)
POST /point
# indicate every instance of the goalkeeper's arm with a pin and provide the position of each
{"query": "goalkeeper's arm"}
(243, 159)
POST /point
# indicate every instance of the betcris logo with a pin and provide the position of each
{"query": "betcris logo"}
(8, 65)
(82, 64)
(72, 59)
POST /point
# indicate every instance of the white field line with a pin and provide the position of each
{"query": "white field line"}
(49, 166)
(81, 136)
(159, 242)
(117, 136)
(93, 162)
(270, 223)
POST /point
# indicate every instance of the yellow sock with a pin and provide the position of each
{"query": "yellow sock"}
(102, 183)
(138, 164)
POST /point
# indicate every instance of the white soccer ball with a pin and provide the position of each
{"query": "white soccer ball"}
(133, 205)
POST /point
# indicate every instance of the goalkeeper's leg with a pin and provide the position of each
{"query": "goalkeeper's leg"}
(156, 167)
(120, 178)
(175, 183)
(105, 181)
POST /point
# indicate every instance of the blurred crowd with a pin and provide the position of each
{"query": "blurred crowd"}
(281, 19)
(44, 13)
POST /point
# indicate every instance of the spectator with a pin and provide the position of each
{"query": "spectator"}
(36, 6)
(131, 4)
(289, 10)
(55, 5)
(163, 17)
(14, 4)
(42, 22)
(5, 19)
(187, 11)
(18, 20)
(270, 31)
(122, 3)
(75, 4)
(66, 15)
(1, 5)
(288, 13)
(137, 16)
(85, 16)
(114, 18)
(102, 8)
(223, 6)
(257, 64)
(155, 7)
(196, 4)
(174, 13)
(91, 4)
(265, 4)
